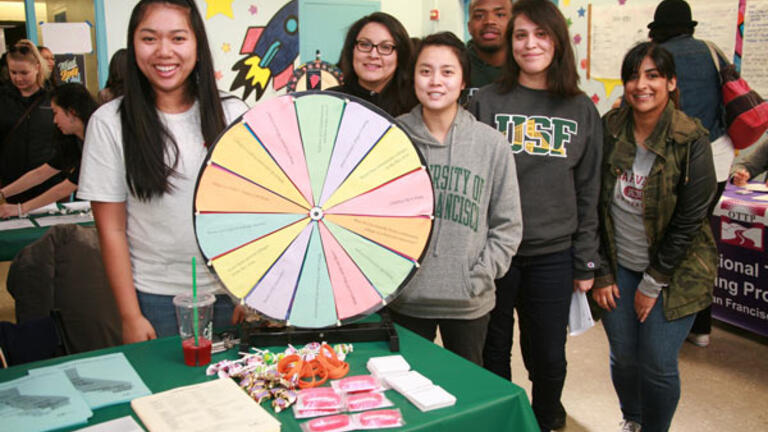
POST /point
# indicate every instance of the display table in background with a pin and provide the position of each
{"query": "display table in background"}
(741, 288)
(12, 241)
(485, 402)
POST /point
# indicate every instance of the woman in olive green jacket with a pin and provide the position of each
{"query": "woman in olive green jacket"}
(659, 256)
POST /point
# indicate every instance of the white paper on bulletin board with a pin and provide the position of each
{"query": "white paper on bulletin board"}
(67, 38)
(615, 29)
(754, 61)
(717, 21)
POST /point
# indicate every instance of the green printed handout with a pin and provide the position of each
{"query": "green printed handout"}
(385, 269)
(319, 117)
(313, 305)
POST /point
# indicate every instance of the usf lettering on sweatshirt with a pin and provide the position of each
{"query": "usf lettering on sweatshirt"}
(537, 135)
(557, 142)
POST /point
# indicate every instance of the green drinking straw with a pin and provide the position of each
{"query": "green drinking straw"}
(194, 297)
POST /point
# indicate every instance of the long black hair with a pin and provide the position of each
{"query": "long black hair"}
(74, 97)
(398, 94)
(145, 140)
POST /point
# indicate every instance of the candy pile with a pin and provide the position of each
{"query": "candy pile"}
(265, 375)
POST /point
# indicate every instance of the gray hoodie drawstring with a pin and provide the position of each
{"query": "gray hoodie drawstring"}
(450, 161)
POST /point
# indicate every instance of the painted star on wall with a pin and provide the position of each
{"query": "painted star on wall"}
(577, 39)
(583, 63)
(218, 75)
(622, 2)
(226, 47)
(595, 98)
(581, 12)
(569, 21)
(215, 7)
(253, 9)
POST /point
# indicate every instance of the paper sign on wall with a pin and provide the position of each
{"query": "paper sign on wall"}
(67, 38)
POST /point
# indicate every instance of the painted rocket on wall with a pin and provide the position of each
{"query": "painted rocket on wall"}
(269, 53)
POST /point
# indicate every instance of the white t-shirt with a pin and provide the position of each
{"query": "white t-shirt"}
(160, 232)
(723, 155)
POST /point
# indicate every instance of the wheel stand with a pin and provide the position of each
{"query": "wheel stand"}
(384, 330)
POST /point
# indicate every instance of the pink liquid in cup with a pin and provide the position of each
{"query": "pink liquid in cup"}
(199, 355)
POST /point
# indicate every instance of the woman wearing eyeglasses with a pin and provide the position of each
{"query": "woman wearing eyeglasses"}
(26, 120)
(376, 61)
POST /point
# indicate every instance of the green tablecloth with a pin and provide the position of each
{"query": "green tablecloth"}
(485, 402)
(12, 241)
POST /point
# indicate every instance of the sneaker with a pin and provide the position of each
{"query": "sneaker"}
(629, 426)
(700, 340)
(559, 421)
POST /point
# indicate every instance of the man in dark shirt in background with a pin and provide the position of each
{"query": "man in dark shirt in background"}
(487, 25)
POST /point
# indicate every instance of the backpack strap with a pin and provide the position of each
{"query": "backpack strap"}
(20, 120)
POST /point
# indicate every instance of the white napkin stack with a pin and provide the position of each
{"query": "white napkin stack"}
(409, 382)
(394, 372)
(386, 367)
(431, 398)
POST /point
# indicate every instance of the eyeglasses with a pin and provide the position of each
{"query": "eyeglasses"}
(384, 48)
(22, 49)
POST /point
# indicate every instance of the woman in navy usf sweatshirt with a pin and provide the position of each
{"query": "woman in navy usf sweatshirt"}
(556, 136)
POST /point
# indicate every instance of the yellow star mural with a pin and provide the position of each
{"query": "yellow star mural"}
(609, 84)
(223, 7)
(226, 47)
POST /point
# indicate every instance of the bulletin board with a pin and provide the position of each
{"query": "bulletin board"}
(602, 31)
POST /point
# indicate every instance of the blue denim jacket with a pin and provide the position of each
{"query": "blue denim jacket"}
(699, 83)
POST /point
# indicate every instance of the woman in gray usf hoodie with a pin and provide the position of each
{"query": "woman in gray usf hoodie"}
(478, 224)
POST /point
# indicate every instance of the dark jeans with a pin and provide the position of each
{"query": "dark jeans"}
(540, 287)
(644, 357)
(462, 337)
(703, 322)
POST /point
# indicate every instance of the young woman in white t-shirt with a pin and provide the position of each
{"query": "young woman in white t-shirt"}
(140, 163)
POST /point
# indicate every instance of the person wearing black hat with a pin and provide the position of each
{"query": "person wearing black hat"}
(700, 97)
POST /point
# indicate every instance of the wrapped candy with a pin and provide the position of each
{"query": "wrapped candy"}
(282, 398)
(257, 371)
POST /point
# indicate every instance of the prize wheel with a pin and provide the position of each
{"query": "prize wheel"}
(314, 209)
(315, 75)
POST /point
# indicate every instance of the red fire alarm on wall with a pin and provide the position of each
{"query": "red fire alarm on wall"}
(434, 15)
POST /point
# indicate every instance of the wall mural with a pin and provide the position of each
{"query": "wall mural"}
(267, 32)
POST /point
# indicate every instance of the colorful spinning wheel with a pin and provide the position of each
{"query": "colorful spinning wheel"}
(314, 209)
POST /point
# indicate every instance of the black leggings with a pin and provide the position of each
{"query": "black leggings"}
(462, 337)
